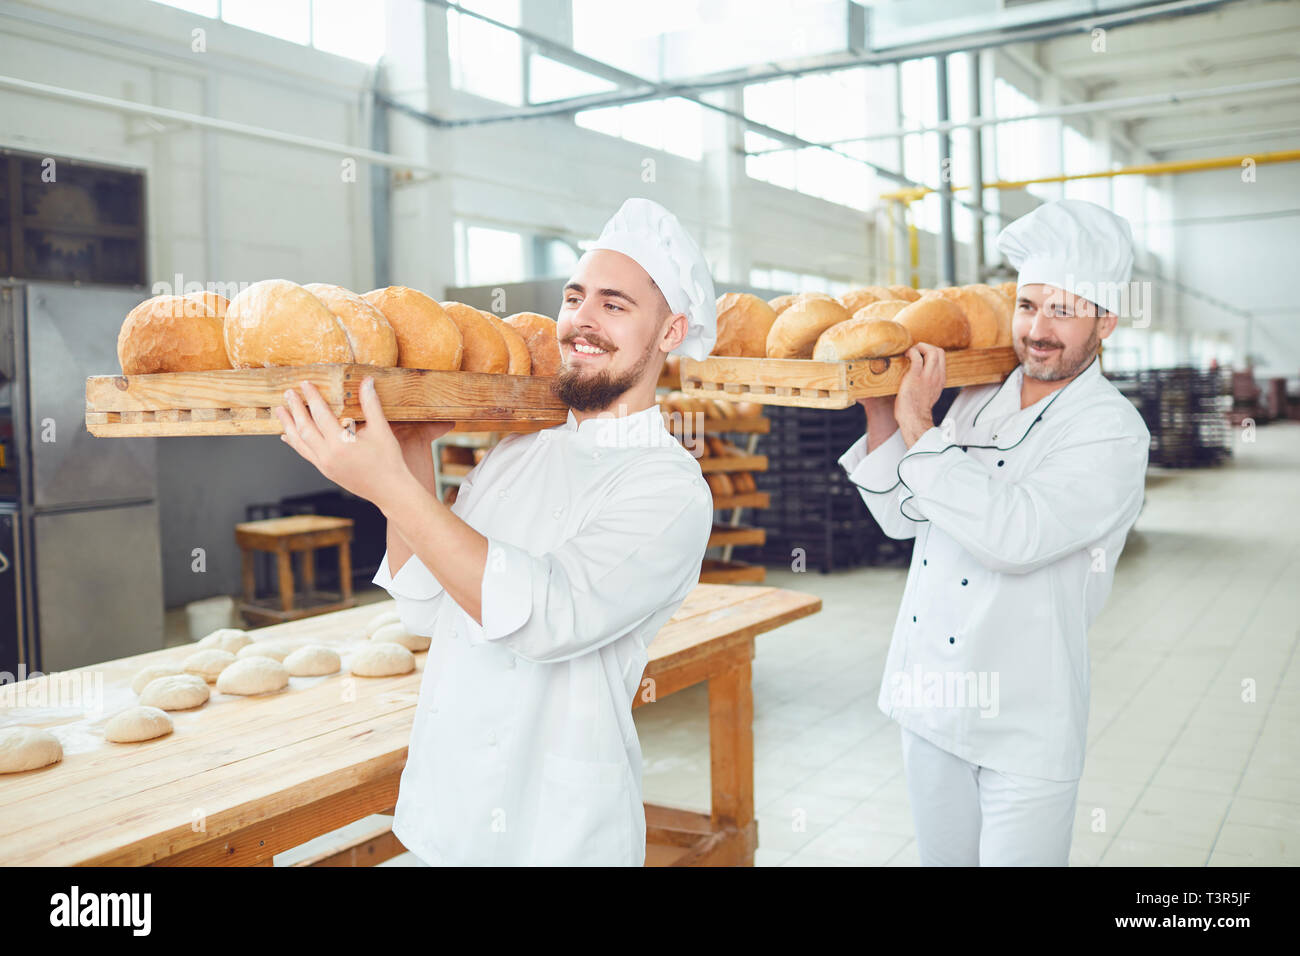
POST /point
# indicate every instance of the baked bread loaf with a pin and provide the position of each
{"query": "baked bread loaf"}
(215, 302)
(936, 320)
(743, 482)
(983, 320)
(1003, 311)
(904, 292)
(884, 309)
(276, 322)
(862, 338)
(520, 363)
(485, 348)
(171, 333)
(539, 334)
(720, 485)
(796, 330)
(1008, 289)
(372, 339)
(781, 302)
(856, 299)
(426, 335)
(743, 323)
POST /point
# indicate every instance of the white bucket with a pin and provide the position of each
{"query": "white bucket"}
(210, 614)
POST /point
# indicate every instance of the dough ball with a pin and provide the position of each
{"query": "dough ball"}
(177, 692)
(141, 680)
(229, 639)
(397, 634)
(277, 652)
(382, 659)
(136, 724)
(208, 663)
(379, 620)
(253, 675)
(27, 748)
(313, 660)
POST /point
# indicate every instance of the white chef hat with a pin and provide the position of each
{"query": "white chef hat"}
(650, 235)
(1074, 245)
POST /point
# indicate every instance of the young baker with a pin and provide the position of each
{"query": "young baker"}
(1020, 503)
(543, 585)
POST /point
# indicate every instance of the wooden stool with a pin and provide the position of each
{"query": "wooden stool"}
(282, 537)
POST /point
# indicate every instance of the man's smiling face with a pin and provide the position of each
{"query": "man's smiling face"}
(609, 327)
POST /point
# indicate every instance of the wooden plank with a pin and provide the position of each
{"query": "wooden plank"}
(238, 401)
(731, 746)
(293, 827)
(749, 499)
(737, 535)
(809, 384)
(731, 572)
(710, 464)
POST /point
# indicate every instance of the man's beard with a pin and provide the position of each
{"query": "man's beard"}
(587, 393)
(1070, 363)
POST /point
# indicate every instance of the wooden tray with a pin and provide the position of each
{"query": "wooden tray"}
(810, 384)
(239, 401)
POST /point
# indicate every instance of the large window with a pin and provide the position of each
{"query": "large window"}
(485, 255)
(1082, 154)
(783, 279)
(486, 60)
(673, 125)
(822, 108)
(343, 27)
(1025, 147)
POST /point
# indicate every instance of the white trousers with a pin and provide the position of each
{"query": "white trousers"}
(968, 815)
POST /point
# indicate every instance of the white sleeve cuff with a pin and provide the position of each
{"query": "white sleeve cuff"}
(876, 472)
(506, 598)
(414, 581)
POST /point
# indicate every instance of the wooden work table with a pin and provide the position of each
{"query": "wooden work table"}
(242, 779)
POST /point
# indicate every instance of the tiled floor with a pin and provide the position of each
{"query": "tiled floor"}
(1195, 724)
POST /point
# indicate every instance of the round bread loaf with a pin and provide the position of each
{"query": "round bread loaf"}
(276, 322)
(171, 333)
(136, 724)
(370, 335)
(856, 299)
(426, 335)
(215, 303)
(28, 748)
(796, 330)
(936, 320)
(1003, 311)
(485, 348)
(903, 292)
(1009, 290)
(782, 302)
(521, 363)
(542, 338)
(862, 338)
(743, 323)
(884, 309)
(983, 320)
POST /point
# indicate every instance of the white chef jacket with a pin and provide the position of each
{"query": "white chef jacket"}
(523, 749)
(1019, 517)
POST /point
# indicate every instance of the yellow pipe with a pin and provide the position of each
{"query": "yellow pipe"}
(914, 246)
(912, 193)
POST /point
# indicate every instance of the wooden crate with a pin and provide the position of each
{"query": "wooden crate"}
(810, 384)
(239, 401)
